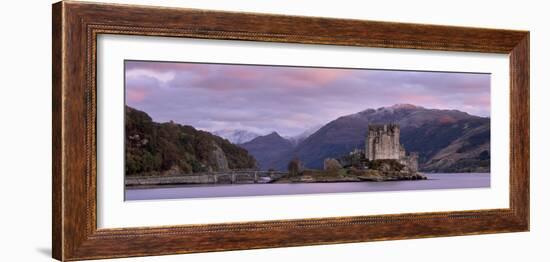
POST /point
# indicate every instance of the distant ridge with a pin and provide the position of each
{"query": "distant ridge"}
(266, 149)
(236, 136)
(446, 140)
(295, 140)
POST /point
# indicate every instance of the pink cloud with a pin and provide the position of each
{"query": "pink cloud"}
(239, 72)
(287, 98)
(479, 101)
(300, 77)
(135, 95)
(419, 99)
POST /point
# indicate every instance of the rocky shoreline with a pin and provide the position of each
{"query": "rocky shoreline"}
(393, 176)
(370, 176)
(379, 171)
(308, 176)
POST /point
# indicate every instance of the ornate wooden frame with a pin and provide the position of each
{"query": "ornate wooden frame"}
(76, 26)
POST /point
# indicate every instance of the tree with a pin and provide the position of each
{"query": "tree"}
(294, 167)
(331, 164)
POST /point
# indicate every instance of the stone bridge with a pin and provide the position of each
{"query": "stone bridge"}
(229, 177)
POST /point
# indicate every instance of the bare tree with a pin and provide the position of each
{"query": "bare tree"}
(294, 167)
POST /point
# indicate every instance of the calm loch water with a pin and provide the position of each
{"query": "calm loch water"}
(435, 181)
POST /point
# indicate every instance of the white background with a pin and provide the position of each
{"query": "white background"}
(114, 212)
(25, 136)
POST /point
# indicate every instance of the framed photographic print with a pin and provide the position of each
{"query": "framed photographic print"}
(182, 130)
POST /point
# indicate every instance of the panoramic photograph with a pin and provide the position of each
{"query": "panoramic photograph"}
(202, 130)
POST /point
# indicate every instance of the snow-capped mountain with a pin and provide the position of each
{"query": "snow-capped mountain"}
(236, 136)
(295, 140)
(446, 140)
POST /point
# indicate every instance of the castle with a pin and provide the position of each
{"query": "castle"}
(382, 142)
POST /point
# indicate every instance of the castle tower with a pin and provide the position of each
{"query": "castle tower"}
(383, 142)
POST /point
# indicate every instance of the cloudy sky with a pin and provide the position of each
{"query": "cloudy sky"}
(289, 100)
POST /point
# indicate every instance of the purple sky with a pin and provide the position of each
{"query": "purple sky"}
(289, 100)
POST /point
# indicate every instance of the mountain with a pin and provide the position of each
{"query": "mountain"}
(170, 148)
(266, 149)
(469, 153)
(446, 140)
(236, 136)
(295, 140)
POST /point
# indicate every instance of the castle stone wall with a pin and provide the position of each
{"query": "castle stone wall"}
(383, 142)
(410, 161)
